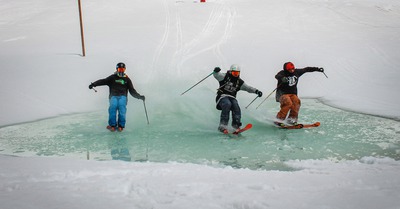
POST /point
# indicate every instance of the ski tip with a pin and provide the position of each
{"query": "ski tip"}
(317, 124)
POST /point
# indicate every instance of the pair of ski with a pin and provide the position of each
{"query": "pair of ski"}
(297, 126)
(278, 124)
(238, 131)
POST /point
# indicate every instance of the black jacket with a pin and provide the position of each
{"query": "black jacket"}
(229, 85)
(293, 78)
(119, 86)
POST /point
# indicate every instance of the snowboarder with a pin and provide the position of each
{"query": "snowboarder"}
(229, 84)
(286, 92)
(119, 84)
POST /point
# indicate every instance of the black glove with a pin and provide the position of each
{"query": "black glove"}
(285, 80)
(321, 69)
(91, 86)
(259, 93)
(217, 69)
(142, 97)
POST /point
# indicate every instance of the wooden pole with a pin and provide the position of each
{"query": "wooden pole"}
(81, 22)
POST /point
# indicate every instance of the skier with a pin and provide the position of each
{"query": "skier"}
(229, 84)
(119, 84)
(286, 92)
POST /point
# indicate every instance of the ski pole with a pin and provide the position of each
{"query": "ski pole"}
(145, 110)
(267, 97)
(197, 83)
(322, 71)
(94, 89)
(147, 141)
(252, 102)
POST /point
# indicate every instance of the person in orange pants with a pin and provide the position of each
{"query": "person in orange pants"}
(286, 92)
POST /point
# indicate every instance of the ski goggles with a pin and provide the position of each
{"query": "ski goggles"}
(235, 73)
(121, 70)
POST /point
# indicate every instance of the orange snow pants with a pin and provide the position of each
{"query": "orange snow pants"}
(289, 102)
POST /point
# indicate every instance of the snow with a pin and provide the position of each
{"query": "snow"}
(65, 183)
(169, 45)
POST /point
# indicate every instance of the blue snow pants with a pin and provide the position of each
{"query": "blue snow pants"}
(117, 104)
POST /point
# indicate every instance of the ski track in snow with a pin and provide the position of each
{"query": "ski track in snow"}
(214, 20)
(221, 14)
(348, 17)
(15, 39)
(179, 40)
(230, 14)
(164, 37)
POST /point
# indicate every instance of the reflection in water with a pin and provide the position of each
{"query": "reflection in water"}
(119, 148)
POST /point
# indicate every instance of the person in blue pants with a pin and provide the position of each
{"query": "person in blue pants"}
(119, 84)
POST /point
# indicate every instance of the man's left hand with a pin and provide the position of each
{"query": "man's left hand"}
(259, 93)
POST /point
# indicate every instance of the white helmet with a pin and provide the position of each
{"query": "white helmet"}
(235, 67)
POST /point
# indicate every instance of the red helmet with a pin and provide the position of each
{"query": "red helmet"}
(288, 66)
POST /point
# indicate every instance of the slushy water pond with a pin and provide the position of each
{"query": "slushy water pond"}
(179, 138)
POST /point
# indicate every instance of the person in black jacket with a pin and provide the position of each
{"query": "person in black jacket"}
(119, 84)
(229, 84)
(286, 92)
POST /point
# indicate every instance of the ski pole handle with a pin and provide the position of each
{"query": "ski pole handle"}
(322, 71)
(91, 84)
(197, 83)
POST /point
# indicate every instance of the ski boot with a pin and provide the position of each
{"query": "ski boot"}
(292, 122)
(222, 128)
(111, 128)
(279, 124)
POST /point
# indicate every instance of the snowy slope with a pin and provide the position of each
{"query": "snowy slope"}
(169, 45)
